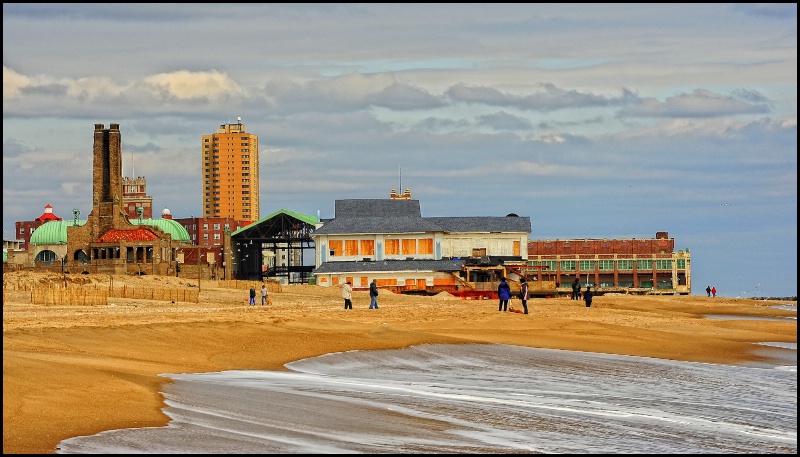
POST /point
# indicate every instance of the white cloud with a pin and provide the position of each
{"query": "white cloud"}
(188, 85)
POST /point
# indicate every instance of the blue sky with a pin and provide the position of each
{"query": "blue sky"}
(595, 120)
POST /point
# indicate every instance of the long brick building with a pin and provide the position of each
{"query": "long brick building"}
(624, 265)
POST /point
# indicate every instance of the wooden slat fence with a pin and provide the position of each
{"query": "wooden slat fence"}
(69, 296)
(98, 295)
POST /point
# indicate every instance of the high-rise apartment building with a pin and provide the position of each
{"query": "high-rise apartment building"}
(230, 173)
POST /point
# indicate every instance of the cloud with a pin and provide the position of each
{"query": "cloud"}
(504, 121)
(14, 83)
(198, 85)
(699, 103)
(550, 98)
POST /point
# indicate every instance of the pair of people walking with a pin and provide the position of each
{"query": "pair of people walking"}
(347, 295)
(504, 294)
(264, 296)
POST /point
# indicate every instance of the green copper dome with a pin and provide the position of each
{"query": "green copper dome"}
(53, 232)
(176, 230)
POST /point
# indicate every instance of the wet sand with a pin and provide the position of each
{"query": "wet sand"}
(78, 370)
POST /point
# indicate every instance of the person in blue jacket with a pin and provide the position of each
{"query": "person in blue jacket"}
(504, 293)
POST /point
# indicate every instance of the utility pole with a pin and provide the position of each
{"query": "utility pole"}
(199, 272)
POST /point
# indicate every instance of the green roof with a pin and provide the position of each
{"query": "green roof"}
(175, 229)
(311, 220)
(53, 232)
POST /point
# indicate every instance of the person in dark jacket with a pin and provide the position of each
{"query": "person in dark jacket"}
(504, 293)
(587, 296)
(523, 294)
(253, 296)
(576, 289)
(373, 295)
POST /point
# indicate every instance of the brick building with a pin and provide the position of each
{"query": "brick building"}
(635, 264)
(135, 198)
(24, 229)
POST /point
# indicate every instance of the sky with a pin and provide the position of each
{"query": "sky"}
(594, 120)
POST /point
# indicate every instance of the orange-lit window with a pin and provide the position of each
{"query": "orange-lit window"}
(516, 248)
(410, 246)
(386, 282)
(392, 247)
(367, 247)
(336, 247)
(351, 247)
(426, 246)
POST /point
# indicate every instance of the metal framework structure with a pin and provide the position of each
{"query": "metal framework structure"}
(284, 238)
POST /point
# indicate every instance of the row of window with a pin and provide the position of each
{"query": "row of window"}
(391, 247)
(608, 265)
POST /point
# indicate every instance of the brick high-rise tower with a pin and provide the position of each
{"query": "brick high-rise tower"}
(230, 173)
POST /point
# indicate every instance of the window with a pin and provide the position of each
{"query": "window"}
(367, 247)
(336, 247)
(216, 236)
(587, 265)
(392, 247)
(351, 247)
(550, 264)
(425, 246)
(605, 265)
(205, 226)
(22, 230)
(216, 226)
(664, 264)
(644, 264)
(681, 264)
(409, 246)
(567, 265)
(625, 264)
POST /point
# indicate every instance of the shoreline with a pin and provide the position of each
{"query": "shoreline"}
(79, 370)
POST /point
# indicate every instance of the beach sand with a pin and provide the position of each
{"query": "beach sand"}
(79, 370)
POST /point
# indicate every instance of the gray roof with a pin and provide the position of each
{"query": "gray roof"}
(483, 224)
(403, 216)
(389, 266)
(377, 208)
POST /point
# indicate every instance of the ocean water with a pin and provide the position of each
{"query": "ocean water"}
(474, 399)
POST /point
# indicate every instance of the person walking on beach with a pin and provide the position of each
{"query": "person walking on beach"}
(265, 295)
(252, 296)
(347, 295)
(373, 295)
(504, 294)
(587, 296)
(708, 290)
(714, 291)
(523, 295)
(576, 289)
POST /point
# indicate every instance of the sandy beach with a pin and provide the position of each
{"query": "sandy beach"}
(78, 370)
